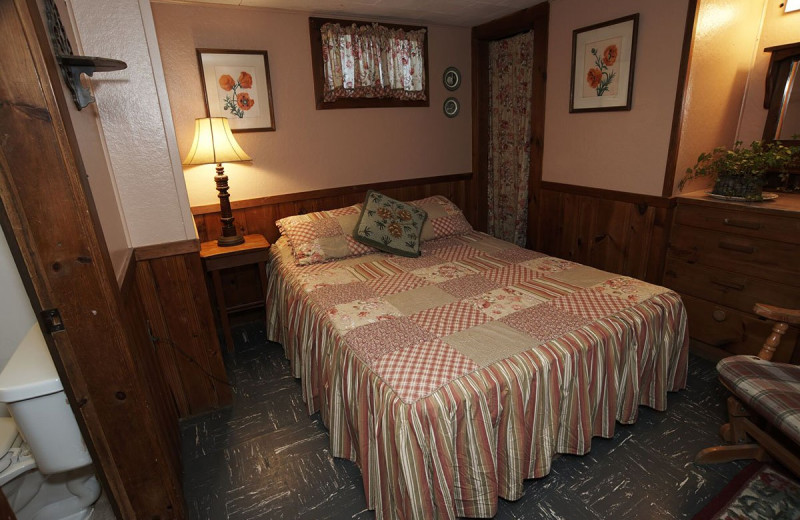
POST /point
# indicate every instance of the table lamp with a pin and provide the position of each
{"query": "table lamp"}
(214, 144)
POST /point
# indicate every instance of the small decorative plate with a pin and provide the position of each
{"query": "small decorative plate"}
(764, 197)
(451, 78)
(451, 107)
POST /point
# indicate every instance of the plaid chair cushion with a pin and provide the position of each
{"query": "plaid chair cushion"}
(768, 388)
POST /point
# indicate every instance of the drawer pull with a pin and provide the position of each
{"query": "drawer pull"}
(742, 223)
(737, 247)
(719, 315)
(729, 285)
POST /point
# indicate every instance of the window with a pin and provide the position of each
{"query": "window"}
(362, 64)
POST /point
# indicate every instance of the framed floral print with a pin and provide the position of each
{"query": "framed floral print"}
(236, 85)
(603, 57)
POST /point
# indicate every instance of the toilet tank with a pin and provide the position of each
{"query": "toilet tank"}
(30, 386)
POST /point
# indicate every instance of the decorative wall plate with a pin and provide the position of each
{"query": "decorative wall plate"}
(451, 78)
(451, 107)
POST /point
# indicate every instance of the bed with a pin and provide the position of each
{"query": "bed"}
(452, 377)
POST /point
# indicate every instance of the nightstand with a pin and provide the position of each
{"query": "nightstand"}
(253, 252)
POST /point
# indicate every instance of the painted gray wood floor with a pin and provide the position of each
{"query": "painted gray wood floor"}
(264, 457)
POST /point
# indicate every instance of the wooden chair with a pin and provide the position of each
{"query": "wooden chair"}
(764, 410)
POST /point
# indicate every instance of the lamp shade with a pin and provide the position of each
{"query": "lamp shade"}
(214, 143)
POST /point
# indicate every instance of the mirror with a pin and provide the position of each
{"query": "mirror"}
(789, 118)
(782, 94)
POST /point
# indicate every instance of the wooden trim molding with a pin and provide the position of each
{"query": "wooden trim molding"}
(599, 193)
(514, 23)
(680, 97)
(168, 249)
(126, 277)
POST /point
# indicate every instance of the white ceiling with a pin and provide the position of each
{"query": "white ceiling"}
(465, 13)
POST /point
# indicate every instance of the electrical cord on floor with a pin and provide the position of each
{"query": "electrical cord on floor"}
(156, 340)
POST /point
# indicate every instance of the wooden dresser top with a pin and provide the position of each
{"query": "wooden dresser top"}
(787, 204)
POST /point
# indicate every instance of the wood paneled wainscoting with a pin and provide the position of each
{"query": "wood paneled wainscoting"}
(145, 356)
(259, 215)
(175, 313)
(620, 232)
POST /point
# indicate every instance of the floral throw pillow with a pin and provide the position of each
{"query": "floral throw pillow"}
(390, 225)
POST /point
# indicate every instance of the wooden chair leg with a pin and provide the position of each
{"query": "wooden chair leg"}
(719, 454)
(772, 342)
(734, 431)
(726, 432)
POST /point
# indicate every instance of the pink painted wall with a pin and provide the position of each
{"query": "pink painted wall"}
(311, 149)
(625, 150)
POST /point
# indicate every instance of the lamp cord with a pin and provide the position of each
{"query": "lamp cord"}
(155, 340)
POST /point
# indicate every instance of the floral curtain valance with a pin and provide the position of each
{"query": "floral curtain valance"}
(373, 61)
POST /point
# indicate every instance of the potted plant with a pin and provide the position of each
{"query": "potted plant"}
(740, 171)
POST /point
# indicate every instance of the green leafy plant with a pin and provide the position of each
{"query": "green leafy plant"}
(739, 172)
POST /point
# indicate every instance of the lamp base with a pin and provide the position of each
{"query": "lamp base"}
(230, 241)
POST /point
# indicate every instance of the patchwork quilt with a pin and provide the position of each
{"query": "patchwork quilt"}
(451, 377)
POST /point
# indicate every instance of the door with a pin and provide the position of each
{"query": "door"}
(50, 223)
(509, 136)
(503, 144)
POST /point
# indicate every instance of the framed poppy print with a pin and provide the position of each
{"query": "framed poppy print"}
(236, 85)
(603, 57)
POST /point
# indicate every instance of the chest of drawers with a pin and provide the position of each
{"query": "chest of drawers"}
(723, 258)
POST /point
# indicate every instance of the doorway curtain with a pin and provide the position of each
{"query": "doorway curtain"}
(510, 88)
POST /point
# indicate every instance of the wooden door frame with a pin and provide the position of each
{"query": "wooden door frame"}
(681, 95)
(534, 18)
(54, 234)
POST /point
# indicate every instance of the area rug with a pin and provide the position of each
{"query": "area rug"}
(758, 492)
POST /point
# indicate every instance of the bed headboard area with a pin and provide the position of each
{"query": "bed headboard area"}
(259, 215)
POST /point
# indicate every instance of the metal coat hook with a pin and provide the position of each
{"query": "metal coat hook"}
(73, 66)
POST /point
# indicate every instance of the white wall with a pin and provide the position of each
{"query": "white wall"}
(136, 121)
(96, 164)
(16, 313)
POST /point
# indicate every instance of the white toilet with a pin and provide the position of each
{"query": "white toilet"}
(63, 487)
